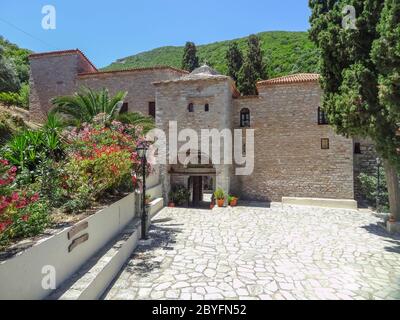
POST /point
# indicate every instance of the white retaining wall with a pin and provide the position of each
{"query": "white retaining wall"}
(21, 276)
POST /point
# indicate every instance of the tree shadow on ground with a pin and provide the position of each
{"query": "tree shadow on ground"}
(144, 259)
(393, 240)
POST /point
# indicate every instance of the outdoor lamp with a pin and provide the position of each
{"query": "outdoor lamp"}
(141, 151)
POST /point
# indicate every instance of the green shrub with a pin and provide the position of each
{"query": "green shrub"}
(369, 185)
(23, 96)
(9, 98)
(35, 223)
(179, 195)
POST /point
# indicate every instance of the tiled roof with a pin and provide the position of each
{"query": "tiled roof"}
(294, 78)
(133, 70)
(62, 52)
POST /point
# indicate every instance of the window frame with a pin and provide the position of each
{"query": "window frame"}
(322, 117)
(323, 146)
(152, 107)
(245, 118)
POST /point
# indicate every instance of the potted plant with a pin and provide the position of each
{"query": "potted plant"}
(179, 195)
(219, 194)
(233, 200)
(171, 196)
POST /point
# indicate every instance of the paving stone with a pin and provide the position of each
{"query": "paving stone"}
(263, 253)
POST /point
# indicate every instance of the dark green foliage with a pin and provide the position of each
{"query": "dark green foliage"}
(350, 77)
(190, 60)
(8, 76)
(253, 69)
(247, 79)
(38, 220)
(179, 195)
(17, 59)
(19, 99)
(369, 185)
(286, 53)
(87, 104)
(386, 56)
(234, 58)
(255, 56)
(137, 119)
(358, 68)
(29, 148)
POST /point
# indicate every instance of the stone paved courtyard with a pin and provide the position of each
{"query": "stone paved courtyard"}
(263, 253)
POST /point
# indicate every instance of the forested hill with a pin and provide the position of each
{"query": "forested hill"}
(285, 53)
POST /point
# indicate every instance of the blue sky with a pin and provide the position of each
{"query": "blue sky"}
(108, 30)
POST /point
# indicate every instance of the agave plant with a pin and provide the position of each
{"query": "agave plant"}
(86, 104)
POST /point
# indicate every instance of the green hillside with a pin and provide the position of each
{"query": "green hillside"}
(285, 53)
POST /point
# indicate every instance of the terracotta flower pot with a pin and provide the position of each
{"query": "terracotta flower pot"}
(220, 202)
(233, 203)
(171, 205)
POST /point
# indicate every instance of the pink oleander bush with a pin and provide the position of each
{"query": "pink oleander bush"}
(21, 212)
(100, 159)
(48, 170)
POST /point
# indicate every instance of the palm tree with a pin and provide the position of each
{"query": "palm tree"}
(137, 119)
(86, 104)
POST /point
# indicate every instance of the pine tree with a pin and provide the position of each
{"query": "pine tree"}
(350, 79)
(190, 61)
(234, 59)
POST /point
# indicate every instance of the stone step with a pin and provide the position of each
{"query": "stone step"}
(155, 206)
(90, 282)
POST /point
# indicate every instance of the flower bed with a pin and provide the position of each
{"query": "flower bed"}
(50, 176)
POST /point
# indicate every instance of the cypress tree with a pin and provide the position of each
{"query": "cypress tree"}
(190, 61)
(350, 79)
(253, 68)
(255, 56)
(234, 59)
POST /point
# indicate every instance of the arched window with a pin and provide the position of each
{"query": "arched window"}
(244, 118)
(190, 107)
(206, 107)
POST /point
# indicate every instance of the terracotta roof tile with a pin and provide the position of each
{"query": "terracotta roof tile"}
(132, 70)
(294, 78)
(62, 52)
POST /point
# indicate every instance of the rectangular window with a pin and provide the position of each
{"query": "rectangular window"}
(324, 144)
(357, 148)
(124, 108)
(152, 109)
(322, 118)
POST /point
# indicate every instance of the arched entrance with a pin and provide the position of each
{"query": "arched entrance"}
(197, 177)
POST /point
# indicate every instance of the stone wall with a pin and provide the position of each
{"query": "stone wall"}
(138, 84)
(50, 76)
(173, 98)
(288, 156)
(62, 73)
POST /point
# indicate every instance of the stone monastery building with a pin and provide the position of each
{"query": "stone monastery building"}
(297, 154)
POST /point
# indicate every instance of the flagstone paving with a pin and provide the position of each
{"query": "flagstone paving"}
(263, 253)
